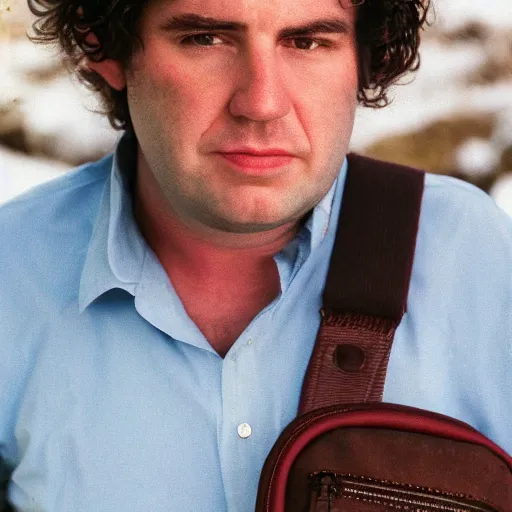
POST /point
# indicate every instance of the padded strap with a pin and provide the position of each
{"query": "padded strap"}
(365, 295)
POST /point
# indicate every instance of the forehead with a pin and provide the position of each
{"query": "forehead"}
(261, 14)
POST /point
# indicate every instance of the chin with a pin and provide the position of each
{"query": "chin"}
(246, 227)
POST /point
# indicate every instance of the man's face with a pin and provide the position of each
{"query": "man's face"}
(243, 109)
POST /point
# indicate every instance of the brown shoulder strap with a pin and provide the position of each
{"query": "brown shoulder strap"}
(366, 290)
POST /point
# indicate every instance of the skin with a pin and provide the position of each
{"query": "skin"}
(214, 225)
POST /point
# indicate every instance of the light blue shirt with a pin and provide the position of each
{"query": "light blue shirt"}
(112, 400)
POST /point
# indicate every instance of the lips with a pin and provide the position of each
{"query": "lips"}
(257, 159)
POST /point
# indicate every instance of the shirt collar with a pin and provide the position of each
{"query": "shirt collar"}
(117, 250)
(318, 222)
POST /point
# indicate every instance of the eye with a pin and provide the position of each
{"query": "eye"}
(304, 43)
(202, 40)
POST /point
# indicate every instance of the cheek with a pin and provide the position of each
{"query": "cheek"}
(327, 115)
(326, 101)
(328, 124)
(180, 96)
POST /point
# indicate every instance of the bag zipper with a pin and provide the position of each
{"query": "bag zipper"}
(328, 491)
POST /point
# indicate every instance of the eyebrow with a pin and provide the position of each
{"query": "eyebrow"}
(196, 22)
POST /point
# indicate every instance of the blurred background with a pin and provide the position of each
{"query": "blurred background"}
(454, 116)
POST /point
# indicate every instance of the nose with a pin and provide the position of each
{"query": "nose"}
(261, 93)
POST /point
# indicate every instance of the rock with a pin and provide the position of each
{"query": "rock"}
(433, 148)
(12, 92)
(502, 134)
(506, 159)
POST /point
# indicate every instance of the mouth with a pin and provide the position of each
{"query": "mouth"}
(252, 160)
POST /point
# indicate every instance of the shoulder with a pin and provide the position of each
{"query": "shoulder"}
(461, 212)
(463, 258)
(44, 235)
(457, 193)
(77, 184)
(36, 215)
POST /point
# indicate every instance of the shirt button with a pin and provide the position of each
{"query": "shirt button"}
(244, 430)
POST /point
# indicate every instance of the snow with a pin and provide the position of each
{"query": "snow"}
(476, 157)
(19, 172)
(436, 91)
(452, 14)
(501, 191)
(62, 122)
(23, 57)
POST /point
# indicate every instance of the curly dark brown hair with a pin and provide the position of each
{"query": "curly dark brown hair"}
(387, 32)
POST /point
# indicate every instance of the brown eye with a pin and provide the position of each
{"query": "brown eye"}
(305, 43)
(202, 40)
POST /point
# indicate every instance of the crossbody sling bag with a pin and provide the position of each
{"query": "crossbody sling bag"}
(347, 451)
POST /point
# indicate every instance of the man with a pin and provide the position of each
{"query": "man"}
(159, 306)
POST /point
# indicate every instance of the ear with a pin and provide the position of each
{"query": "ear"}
(110, 69)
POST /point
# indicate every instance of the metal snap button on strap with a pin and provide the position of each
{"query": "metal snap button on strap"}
(349, 358)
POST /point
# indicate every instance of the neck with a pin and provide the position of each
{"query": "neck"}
(223, 279)
(204, 252)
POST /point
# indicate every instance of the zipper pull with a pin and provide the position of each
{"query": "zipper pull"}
(324, 491)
